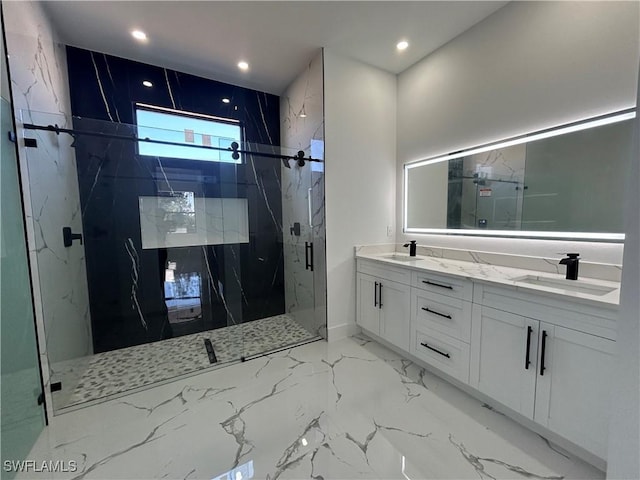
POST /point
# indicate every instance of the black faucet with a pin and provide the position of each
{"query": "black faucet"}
(572, 265)
(412, 248)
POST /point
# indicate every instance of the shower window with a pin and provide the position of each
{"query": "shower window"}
(191, 129)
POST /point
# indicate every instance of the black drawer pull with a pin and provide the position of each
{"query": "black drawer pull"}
(375, 295)
(527, 362)
(436, 350)
(543, 348)
(380, 295)
(436, 313)
(437, 284)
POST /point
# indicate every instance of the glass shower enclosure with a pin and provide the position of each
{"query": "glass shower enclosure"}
(189, 249)
(23, 416)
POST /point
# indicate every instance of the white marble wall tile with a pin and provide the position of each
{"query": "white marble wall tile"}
(49, 180)
(302, 128)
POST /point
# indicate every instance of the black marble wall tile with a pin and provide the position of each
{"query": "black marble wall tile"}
(239, 282)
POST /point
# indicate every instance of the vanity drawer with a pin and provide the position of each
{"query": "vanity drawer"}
(441, 351)
(447, 315)
(376, 269)
(460, 288)
(591, 319)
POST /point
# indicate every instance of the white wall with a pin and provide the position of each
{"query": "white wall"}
(360, 142)
(529, 66)
(624, 439)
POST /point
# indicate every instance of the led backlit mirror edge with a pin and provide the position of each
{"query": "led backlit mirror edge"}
(607, 119)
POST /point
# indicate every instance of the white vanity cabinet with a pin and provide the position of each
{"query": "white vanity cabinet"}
(532, 363)
(573, 392)
(547, 357)
(383, 302)
(504, 356)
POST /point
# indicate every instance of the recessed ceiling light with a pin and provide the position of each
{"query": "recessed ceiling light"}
(139, 35)
(226, 100)
(243, 65)
(147, 84)
(402, 45)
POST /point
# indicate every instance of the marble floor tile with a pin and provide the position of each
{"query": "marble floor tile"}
(103, 375)
(342, 410)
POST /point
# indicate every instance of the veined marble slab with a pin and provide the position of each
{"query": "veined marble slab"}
(601, 271)
(480, 270)
(342, 410)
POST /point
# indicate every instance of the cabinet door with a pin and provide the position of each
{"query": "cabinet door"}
(368, 312)
(572, 394)
(395, 313)
(499, 366)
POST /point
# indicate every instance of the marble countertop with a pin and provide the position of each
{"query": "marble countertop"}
(521, 279)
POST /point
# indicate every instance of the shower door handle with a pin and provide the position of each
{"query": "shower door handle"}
(308, 256)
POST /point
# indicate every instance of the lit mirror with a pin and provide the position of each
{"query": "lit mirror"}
(565, 182)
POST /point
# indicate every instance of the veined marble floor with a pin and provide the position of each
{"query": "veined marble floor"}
(342, 410)
(105, 374)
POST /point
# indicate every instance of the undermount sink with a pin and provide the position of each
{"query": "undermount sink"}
(572, 285)
(398, 257)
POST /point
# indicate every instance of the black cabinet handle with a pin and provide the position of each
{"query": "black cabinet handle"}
(375, 295)
(527, 362)
(437, 284)
(542, 350)
(436, 313)
(380, 295)
(436, 350)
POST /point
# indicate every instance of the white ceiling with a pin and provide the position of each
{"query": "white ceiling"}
(208, 38)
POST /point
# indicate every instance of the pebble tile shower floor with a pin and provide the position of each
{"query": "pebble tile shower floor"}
(112, 373)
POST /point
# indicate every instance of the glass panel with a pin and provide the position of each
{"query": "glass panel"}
(22, 417)
(286, 315)
(177, 252)
(298, 251)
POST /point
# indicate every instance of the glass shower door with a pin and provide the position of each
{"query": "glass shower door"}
(22, 413)
(302, 251)
(150, 249)
(187, 260)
